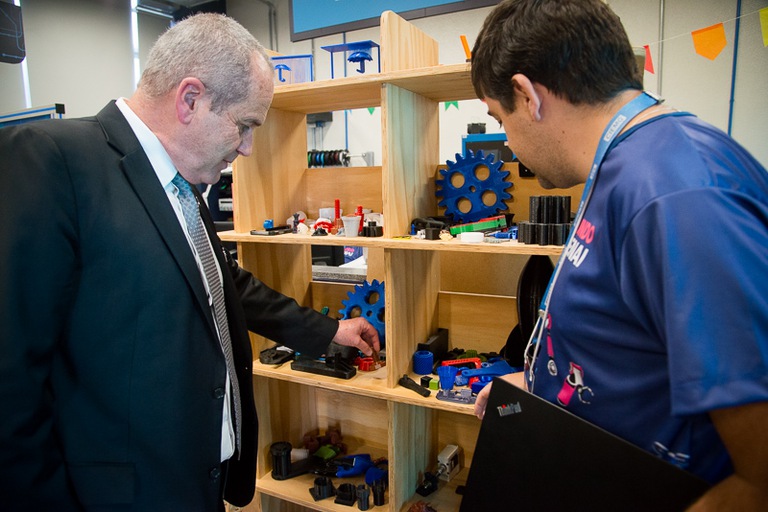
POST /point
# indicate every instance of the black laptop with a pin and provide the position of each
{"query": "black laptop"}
(532, 455)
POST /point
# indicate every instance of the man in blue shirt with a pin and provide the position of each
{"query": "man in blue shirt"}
(655, 326)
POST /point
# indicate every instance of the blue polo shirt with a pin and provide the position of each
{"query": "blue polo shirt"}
(660, 312)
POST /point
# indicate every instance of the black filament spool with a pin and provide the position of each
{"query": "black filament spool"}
(563, 210)
(557, 210)
(524, 232)
(566, 209)
(542, 233)
(547, 209)
(281, 459)
(559, 234)
(535, 209)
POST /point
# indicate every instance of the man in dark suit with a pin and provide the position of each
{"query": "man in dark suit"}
(115, 391)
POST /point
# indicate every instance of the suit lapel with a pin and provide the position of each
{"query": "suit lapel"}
(142, 178)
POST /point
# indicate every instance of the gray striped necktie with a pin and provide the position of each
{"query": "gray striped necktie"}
(191, 210)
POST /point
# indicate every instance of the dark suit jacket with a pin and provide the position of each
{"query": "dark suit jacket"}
(111, 374)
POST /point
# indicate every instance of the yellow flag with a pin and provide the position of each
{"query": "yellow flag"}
(709, 42)
(764, 25)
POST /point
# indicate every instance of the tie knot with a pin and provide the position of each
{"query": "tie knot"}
(183, 185)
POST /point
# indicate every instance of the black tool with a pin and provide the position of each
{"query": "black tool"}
(411, 384)
(283, 468)
(276, 355)
(428, 486)
(332, 366)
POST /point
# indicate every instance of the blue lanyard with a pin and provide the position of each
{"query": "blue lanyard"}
(617, 123)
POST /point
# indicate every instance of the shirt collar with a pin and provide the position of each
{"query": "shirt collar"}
(158, 156)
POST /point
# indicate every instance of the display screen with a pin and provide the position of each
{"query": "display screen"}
(315, 18)
(11, 34)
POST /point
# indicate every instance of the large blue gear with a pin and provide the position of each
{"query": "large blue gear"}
(473, 189)
(359, 303)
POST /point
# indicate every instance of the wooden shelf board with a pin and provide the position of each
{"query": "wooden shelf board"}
(296, 490)
(510, 247)
(370, 384)
(443, 83)
(438, 83)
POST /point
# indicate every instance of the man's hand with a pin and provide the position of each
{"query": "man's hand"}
(358, 332)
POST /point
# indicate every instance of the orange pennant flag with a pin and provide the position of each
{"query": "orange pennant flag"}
(710, 41)
(648, 60)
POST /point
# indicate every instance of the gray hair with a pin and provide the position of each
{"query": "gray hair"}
(213, 48)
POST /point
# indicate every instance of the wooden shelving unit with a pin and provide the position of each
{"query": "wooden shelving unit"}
(466, 288)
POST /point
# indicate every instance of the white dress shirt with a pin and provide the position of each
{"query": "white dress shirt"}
(166, 171)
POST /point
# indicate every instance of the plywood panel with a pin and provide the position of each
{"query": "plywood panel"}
(269, 183)
(409, 150)
(295, 416)
(439, 83)
(458, 429)
(353, 186)
(479, 322)
(403, 46)
(410, 438)
(331, 295)
(494, 274)
(376, 268)
(358, 418)
(411, 306)
(285, 268)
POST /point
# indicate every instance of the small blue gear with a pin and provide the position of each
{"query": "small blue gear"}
(367, 301)
(473, 189)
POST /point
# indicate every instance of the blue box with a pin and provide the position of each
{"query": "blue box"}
(359, 53)
(293, 69)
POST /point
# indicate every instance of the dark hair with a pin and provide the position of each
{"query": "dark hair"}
(577, 49)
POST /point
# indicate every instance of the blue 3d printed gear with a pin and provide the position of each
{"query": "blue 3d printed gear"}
(476, 191)
(367, 301)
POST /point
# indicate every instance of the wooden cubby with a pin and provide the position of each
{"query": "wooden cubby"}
(466, 288)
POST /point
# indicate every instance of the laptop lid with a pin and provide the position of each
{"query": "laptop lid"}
(533, 455)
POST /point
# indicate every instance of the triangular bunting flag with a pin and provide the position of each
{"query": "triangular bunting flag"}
(371, 110)
(764, 24)
(709, 42)
(648, 60)
(449, 103)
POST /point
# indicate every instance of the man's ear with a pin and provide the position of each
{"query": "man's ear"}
(527, 96)
(188, 95)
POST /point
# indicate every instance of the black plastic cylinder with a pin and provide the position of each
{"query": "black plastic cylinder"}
(281, 459)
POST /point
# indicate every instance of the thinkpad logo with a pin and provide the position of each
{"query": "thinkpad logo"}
(507, 409)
